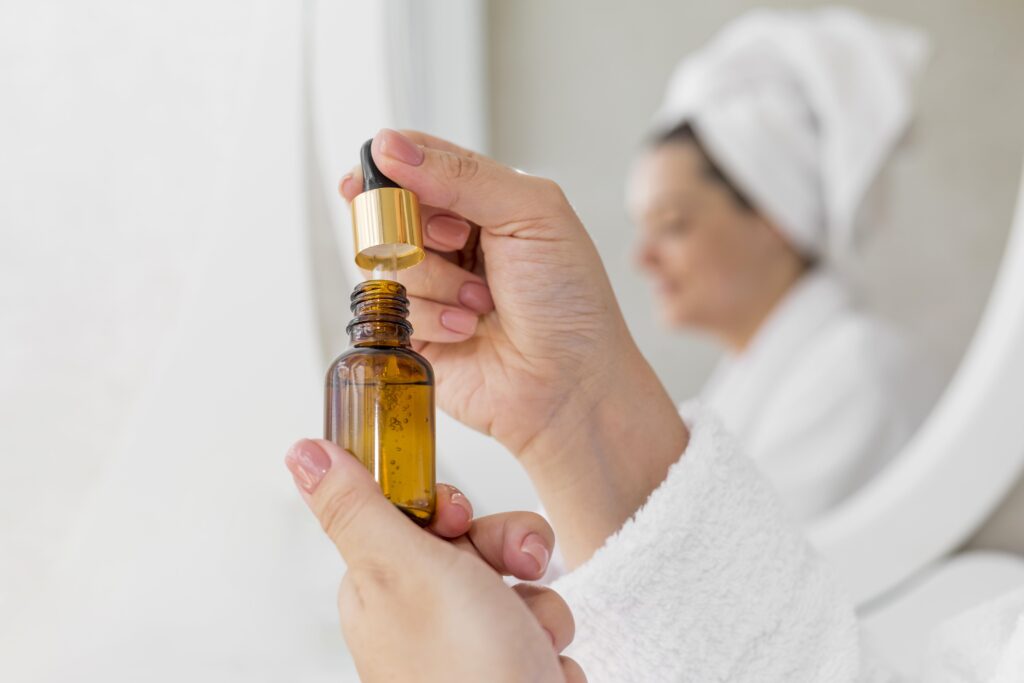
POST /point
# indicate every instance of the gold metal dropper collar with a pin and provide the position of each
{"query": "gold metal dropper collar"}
(385, 220)
(386, 228)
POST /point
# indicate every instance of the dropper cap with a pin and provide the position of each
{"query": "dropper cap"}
(372, 177)
(385, 220)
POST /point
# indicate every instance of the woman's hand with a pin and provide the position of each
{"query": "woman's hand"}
(527, 341)
(415, 607)
(544, 344)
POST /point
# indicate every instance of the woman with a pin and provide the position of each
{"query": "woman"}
(765, 145)
(706, 581)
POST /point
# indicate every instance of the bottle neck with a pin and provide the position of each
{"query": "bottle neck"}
(381, 311)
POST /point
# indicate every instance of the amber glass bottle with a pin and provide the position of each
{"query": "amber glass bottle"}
(379, 401)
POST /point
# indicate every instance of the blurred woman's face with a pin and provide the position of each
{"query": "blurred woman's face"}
(704, 250)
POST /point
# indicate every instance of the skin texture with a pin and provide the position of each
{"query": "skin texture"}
(716, 265)
(418, 606)
(545, 363)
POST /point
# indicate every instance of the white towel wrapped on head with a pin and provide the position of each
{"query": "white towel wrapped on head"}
(800, 109)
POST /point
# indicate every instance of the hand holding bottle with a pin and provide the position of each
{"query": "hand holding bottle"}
(416, 607)
(555, 329)
(550, 369)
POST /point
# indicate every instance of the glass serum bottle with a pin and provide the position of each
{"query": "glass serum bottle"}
(379, 394)
(380, 399)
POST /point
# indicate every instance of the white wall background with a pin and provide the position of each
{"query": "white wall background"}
(174, 279)
(159, 344)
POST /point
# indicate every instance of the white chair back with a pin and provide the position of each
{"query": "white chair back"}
(958, 467)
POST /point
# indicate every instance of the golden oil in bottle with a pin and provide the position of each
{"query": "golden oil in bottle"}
(379, 401)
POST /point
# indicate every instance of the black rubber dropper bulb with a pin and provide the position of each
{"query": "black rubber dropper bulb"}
(373, 179)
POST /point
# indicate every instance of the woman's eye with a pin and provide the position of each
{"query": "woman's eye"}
(676, 227)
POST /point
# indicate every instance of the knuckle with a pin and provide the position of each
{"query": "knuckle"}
(533, 520)
(338, 510)
(459, 167)
(551, 190)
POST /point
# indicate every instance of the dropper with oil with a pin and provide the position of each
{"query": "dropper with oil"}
(385, 221)
(386, 268)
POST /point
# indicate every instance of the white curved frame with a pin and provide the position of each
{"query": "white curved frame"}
(956, 469)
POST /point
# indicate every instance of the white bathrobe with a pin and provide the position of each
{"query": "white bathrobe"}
(709, 582)
(822, 398)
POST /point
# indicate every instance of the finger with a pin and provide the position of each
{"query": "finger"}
(442, 231)
(515, 543)
(453, 515)
(572, 671)
(551, 611)
(351, 183)
(444, 282)
(467, 255)
(364, 526)
(434, 142)
(434, 322)
(472, 186)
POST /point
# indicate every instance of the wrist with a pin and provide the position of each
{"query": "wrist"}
(624, 410)
(596, 462)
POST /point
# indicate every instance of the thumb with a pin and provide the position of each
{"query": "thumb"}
(477, 188)
(357, 517)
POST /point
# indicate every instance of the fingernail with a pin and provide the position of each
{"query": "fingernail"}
(476, 297)
(448, 231)
(457, 320)
(308, 464)
(400, 148)
(458, 499)
(344, 186)
(533, 545)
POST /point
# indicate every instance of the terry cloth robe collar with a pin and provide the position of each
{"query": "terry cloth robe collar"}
(741, 383)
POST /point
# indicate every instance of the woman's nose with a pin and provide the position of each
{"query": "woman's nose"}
(645, 255)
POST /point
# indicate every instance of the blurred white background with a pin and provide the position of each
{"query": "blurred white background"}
(574, 85)
(174, 275)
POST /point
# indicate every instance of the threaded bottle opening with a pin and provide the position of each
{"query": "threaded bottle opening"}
(380, 301)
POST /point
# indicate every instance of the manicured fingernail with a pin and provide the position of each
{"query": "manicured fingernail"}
(458, 499)
(393, 144)
(448, 231)
(347, 186)
(476, 297)
(308, 464)
(533, 545)
(457, 320)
